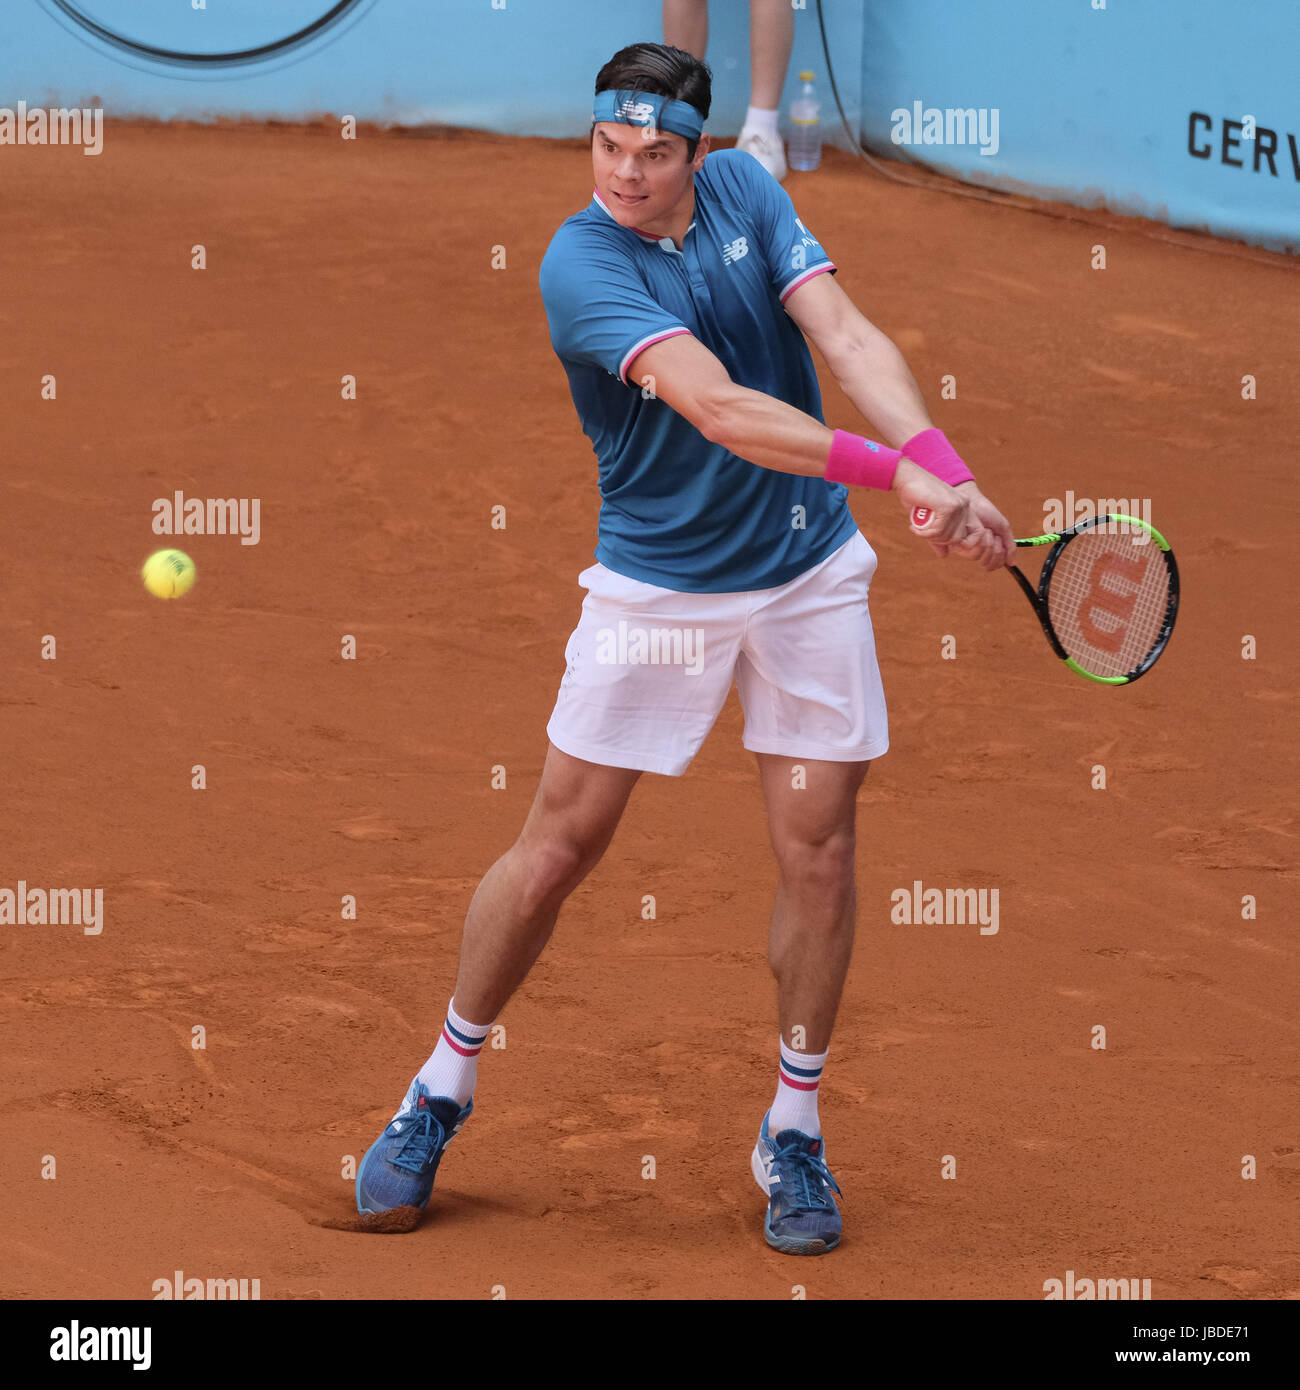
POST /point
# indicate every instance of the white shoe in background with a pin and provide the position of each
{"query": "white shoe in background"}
(770, 153)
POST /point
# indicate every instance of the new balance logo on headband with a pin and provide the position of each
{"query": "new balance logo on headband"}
(734, 250)
(638, 112)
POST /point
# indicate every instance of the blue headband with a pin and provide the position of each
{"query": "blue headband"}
(648, 111)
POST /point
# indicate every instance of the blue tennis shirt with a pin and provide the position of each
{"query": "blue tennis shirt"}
(677, 510)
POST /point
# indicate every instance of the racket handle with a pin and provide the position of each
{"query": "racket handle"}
(921, 516)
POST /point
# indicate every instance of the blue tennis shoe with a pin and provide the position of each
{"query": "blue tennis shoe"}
(399, 1167)
(802, 1218)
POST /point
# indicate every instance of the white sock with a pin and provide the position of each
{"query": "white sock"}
(795, 1106)
(762, 121)
(452, 1070)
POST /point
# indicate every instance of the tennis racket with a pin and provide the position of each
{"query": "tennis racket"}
(1107, 597)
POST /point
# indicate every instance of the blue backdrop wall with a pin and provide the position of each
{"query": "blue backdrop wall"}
(1185, 110)
(524, 67)
(1130, 103)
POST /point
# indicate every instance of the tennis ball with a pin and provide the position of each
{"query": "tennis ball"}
(168, 573)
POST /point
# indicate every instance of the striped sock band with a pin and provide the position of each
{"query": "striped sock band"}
(452, 1070)
(795, 1106)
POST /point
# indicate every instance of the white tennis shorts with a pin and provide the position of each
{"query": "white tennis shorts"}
(649, 669)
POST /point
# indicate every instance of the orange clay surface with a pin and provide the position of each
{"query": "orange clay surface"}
(1119, 908)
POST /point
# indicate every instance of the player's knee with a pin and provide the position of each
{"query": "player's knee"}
(553, 867)
(822, 866)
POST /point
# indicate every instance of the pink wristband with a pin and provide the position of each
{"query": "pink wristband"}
(858, 461)
(930, 450)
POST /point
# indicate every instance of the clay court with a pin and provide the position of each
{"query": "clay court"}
(373, 777)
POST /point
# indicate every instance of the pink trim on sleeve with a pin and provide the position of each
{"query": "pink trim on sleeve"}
(640, 347)
(804, 278)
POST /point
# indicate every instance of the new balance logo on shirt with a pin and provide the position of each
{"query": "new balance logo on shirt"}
(734, 250)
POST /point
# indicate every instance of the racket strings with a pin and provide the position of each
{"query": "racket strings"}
(1108, 598)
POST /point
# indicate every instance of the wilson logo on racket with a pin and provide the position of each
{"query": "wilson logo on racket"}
(1119, 605)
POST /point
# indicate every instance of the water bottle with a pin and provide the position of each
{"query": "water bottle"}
(804, 147)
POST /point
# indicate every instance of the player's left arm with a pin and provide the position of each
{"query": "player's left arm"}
(870, 370)
(873, 374)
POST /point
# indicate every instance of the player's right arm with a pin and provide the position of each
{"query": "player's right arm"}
(685, 375)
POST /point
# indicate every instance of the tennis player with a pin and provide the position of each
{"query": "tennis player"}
(678, 301)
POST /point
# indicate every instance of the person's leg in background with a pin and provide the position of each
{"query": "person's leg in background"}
(771, 37)
(686, 25)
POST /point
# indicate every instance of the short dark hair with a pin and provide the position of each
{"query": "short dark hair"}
(662, 71)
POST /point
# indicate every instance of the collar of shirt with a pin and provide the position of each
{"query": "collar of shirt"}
(665, 241)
